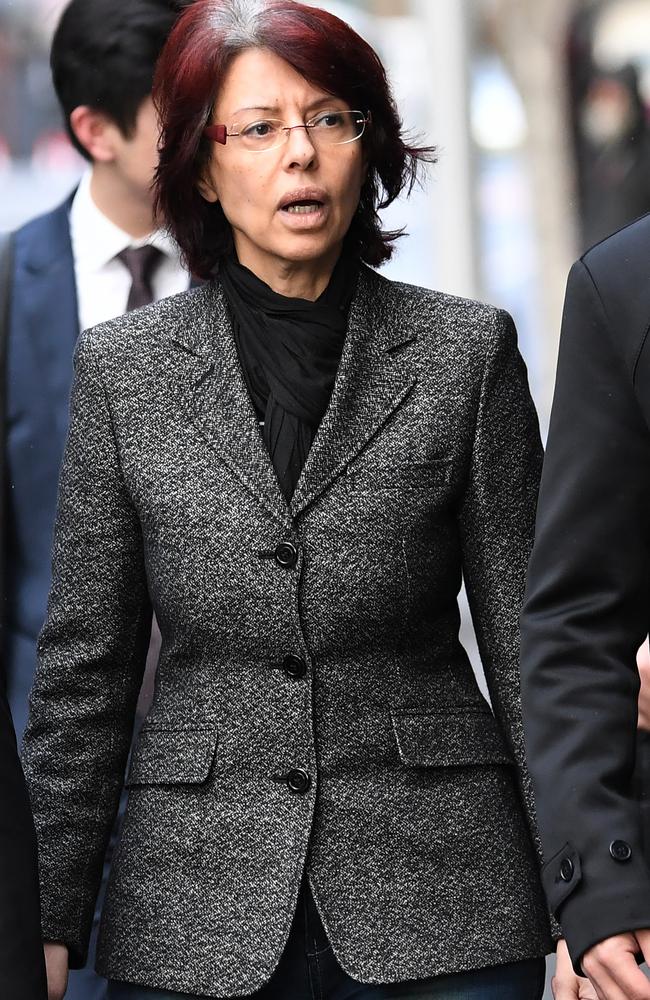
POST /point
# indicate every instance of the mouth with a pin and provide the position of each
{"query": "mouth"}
(307, 201)
(303, 207)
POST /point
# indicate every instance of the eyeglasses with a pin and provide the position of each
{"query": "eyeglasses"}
(328, 128)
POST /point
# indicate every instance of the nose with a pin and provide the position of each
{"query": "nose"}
(299, 151)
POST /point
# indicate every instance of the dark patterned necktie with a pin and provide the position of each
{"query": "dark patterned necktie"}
(141, 262)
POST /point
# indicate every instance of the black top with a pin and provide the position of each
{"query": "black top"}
(290, 351)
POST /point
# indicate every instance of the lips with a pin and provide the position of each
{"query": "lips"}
(306, 201)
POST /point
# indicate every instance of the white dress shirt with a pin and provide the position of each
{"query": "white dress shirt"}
(103, 283)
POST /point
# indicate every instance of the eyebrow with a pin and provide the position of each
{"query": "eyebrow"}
(275, 109)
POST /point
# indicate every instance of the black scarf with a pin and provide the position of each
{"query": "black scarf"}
(290, 351)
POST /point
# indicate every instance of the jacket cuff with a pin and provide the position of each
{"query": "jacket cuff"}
(72, 930)
(588, 917)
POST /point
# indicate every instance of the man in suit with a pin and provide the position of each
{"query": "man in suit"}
(586, 613)
(95, 257)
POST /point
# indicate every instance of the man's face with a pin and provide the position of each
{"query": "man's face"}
(135, 157)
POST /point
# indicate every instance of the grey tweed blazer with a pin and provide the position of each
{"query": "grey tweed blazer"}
(370, 760)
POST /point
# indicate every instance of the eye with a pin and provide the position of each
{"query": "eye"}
(329, 119)
(259, 130)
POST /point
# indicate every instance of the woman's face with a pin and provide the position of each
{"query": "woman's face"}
(256, 188)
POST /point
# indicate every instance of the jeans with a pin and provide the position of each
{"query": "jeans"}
(308, 970)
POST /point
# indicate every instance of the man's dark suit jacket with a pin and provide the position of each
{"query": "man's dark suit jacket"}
(588, 598)
(42, 333)
(43, 330)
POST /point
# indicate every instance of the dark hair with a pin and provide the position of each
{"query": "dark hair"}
(324, 50)
(103, 55)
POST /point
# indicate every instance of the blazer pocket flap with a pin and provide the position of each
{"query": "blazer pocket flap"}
(172, 756)
(448, 739)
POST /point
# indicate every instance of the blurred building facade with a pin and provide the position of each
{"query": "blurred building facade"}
(609, 77)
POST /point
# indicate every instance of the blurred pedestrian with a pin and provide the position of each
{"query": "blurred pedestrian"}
(294, 466)
(586, 614)
(614, 143)
(92, 258)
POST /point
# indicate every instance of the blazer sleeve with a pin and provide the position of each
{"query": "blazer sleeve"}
(585, 615)
(91, 652)
(497, 519)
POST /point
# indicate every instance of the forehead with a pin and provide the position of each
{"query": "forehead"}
(258, 78)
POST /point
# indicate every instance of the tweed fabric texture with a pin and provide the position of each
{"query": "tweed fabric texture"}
(417, 829)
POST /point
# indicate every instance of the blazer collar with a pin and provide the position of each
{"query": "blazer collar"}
(46, 304)
(47, 239)
(373, 379)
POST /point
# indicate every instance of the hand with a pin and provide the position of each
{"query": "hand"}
(612, 968)
(643, 663)
(56, 964)
(565, 984)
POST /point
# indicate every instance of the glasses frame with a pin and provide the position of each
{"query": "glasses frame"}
(219, 132)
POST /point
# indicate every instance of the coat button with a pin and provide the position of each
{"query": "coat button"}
(620, 850)
(566, 870)
(294, 666)
(298, 781)
(286, 555)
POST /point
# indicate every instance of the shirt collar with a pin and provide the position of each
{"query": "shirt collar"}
(96, 240)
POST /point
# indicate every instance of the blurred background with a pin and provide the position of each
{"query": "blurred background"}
(540, 110)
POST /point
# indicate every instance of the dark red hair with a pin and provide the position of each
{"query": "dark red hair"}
(324, 50)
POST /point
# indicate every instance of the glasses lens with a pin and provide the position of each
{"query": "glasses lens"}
(337, 127)
(261, 135)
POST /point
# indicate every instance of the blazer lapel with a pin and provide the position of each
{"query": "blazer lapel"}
(373, 380)
(218, 402)
(47, 307)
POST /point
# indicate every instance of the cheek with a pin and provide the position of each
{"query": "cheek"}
(141, 165)
(351, 168)
(351, 178)
(242, 191)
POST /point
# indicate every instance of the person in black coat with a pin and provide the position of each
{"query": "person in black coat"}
(586, 613)
(22, 968)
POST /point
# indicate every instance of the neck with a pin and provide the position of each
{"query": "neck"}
(122, 204)
(294, 279)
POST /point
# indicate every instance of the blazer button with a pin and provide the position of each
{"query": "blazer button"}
(620, 850)
(294, 666)
(566, 869)
(298, 781)
(286, 555)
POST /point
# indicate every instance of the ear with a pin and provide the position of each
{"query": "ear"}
(207, 190)
(96, 132)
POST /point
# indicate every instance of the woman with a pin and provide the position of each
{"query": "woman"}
(293, 466)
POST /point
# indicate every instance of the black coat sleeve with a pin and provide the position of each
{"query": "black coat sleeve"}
(585, 614)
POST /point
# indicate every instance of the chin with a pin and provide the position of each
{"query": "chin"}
(305, 250)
